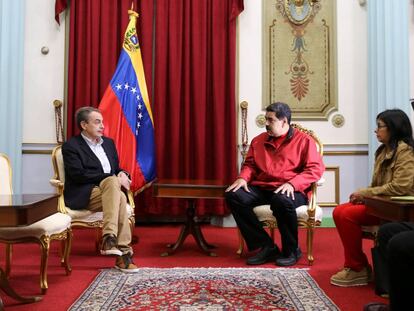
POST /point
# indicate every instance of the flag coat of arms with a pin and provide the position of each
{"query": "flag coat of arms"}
(127, 112)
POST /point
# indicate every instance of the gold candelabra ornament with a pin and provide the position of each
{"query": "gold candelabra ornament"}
(244, 135)
(60, 136)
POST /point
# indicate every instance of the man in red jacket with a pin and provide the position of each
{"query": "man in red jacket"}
(278, 170)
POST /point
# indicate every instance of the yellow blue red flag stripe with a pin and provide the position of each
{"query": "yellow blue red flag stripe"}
(127, 112)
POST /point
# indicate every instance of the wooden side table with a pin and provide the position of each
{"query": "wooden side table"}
(385, 208)
(190, 190)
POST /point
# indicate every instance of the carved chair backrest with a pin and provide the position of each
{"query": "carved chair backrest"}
(58, 165)
(319, 145)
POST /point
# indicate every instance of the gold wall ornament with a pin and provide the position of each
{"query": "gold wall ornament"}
(244, 135)
(60, 135)
(244, 104)
(261, 120)
(300, 56)
(338, 120)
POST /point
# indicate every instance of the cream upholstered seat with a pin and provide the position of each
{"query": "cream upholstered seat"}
(309, 216)
(53, 227)
(83, 218)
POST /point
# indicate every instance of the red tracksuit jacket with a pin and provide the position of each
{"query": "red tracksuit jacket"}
(295, 161)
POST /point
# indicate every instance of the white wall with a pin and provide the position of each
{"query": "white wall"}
(352, 72)
(43, 83)
(43, 74)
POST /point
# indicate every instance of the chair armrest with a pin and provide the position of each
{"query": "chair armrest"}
(130, 198)
(61, 201)
(56, 183)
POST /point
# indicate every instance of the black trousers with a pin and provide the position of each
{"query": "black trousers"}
(396, 249)
(241, 204)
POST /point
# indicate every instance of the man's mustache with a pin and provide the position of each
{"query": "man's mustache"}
(267, 128)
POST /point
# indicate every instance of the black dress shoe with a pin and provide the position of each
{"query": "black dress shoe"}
(290, 260)
(266, 254)
(376, 306)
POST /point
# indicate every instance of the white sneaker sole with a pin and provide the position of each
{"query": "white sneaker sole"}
(111, 252)
(355, 282)
(127, 270)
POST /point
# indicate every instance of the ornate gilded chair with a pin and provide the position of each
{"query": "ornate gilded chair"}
(53, 227)
(83, 218)
(309, 216)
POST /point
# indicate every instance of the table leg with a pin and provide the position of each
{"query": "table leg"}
(5, 287)
(193, 228)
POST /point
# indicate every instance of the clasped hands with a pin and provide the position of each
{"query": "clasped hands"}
(356, 198)
(241, 183)
(124, 180)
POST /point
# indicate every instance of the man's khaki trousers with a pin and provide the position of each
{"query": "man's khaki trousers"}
(109, 199)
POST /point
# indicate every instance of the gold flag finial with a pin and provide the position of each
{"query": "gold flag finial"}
(131, 12)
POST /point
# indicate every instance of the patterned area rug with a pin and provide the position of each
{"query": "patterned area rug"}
(204, 289)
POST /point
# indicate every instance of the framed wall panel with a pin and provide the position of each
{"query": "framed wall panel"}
(299, 56)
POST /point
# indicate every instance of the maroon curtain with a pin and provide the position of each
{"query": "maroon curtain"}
(194, 59)
(194, 98)
(95, 41)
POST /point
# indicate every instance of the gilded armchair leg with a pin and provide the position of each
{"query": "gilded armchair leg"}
(9, 252)
(241, 243)
(44, 249)
(309, 241)
(66, 252)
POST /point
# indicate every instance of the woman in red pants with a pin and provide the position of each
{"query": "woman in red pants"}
(393, 175)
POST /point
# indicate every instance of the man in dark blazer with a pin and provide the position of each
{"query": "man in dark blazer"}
(94, 181)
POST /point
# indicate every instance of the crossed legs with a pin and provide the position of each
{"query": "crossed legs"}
(109, 199)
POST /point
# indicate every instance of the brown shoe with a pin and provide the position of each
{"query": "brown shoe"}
(125, 264)
(348, 277)
(376, 306)
(108, 246)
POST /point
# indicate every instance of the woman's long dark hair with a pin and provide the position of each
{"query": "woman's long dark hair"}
(399, 127)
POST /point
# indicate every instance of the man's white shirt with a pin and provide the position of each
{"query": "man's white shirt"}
(99, 151)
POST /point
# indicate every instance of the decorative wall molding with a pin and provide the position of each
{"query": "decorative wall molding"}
(37, 148)
(299, 56)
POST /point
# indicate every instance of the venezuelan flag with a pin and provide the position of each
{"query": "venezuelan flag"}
(127, 112)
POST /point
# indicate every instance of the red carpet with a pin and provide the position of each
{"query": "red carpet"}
(64, 290)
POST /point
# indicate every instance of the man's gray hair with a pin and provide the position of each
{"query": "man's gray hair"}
(82, 114)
